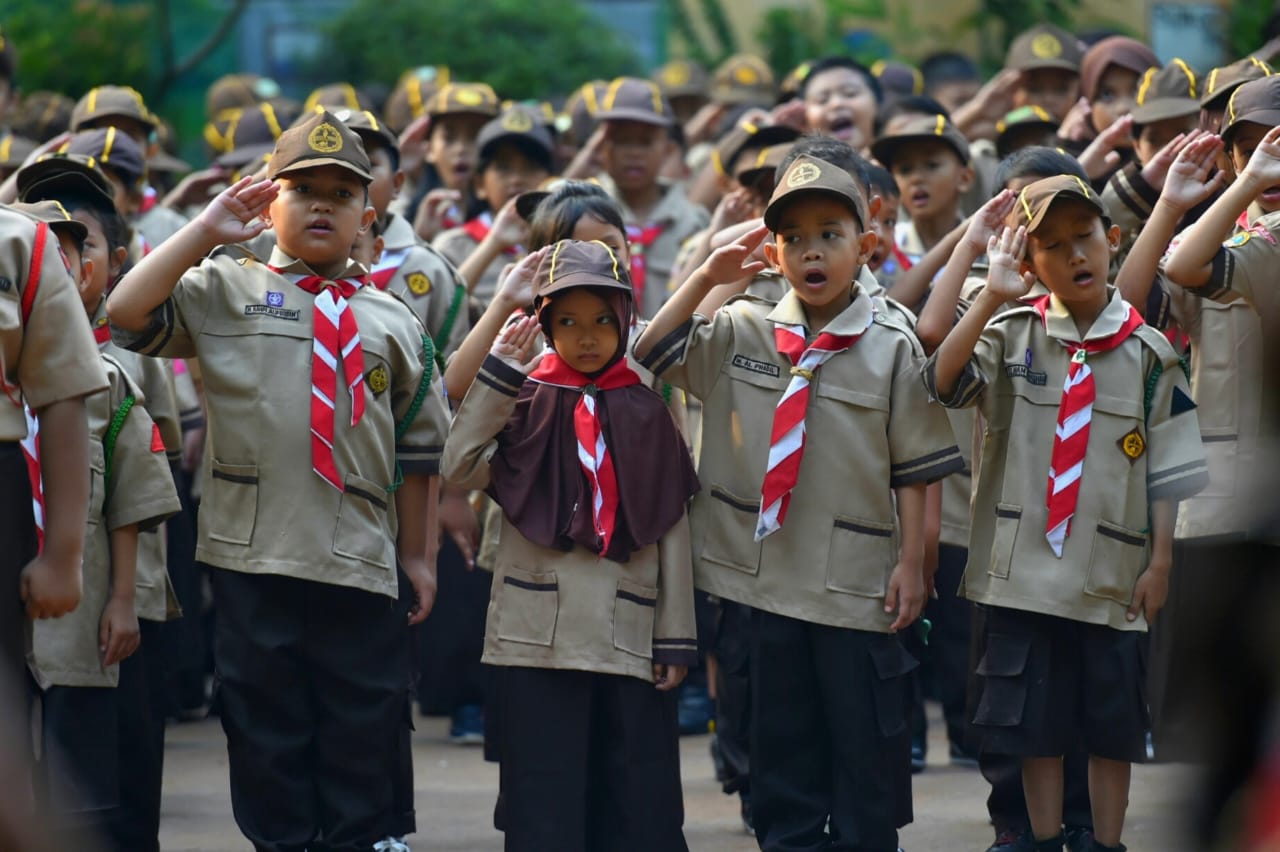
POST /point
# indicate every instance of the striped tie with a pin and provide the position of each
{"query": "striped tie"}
(335, 337)
(1071, 439)
(31, 453)
(639, 240)
(597, 464)
(786, 442)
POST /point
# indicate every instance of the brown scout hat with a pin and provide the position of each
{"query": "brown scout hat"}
(794, 81)
(516, 122)
(1221, 82)
(1036, 198)
(572, 263)
(367, 125)
(336, 96)
(918, 128)
(1257, 101)
(250, 133)
(582, 106)
(1045, 46)
(54, 173)
(1168, 92)
(898, 78)
(408, 100)
(634, 99)
(464, 98)
(42, 115)
(321, 140)
(748, 134)
(748, 171)
(1116, 50)
(112, 149)
(236, 91)
(111, 102)
(809, 175)
(682, 78)
(1015, 122)
(743, 79)
(14, 150)
(53, 214)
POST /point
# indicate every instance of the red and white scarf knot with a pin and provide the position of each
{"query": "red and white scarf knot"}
(1071, 438)
(787, 438)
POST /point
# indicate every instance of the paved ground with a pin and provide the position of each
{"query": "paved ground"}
(455, 790)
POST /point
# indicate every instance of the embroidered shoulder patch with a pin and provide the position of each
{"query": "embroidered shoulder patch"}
(1181, 403)
(1133, 445)
(1238, 240)
(378, 379)
(419, 284)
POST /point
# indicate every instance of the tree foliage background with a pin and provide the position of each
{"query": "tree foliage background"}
(523, 48)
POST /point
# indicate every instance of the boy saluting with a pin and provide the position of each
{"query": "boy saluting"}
(325, 433)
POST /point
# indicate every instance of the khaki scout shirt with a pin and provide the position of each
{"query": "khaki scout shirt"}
(264, 510)
(138, 489)
(870, 429)
(48, 355)
(558, 610)
(1246, 268)
(428, 283)
(456, 245)
(681, 219)
(159, 224)
(1134, 457)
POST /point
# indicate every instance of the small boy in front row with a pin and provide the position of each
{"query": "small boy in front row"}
(1072, 535)
(815, 418)
(325, 434)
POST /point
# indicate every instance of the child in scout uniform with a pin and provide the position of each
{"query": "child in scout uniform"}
(808, 537)
(929, 159)
(413, 270)
(304, 537)
(591, 619)
(515, 156)
(1071, 579)
(1110, 72)
(841, 98)
(1049, 59)
(457, 112)
(887, 261)
(71, 185)
(75, 660)
(638, 123)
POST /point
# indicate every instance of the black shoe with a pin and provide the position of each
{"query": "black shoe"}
(917, 756)
(1012, 841)
(717, 760)
(1053, 844)
(1079, 838)
(1098, 847)
(748, 818)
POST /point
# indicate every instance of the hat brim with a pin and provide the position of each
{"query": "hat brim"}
(774, 209)
(1162, 109)
(1267, 117)
(1065, 195)
(527, 203)
(640, 115)
(543, 145)
(165, 163)
(77, 228)
(44, 179)
(315, 163)
(743, 97)
(882, 148)
(1055, 64)
(585, 279)
(238, 157)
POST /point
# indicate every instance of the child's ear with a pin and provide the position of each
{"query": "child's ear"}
(867, 246)
(1026, 267)
(874, 206)
(116, 261)
(86, 272)
(770, 252)
(366, 219)
(379, 244)
(1113, 238)
(965, 179)
(397, 183)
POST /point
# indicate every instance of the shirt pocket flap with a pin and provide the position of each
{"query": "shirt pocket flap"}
(1128, 408)
(861, 399)
(528, 606)
(634, 608)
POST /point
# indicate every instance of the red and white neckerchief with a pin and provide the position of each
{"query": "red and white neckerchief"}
(639, 240)
(31, 454)
(593, 450)
(335, 337)
(479, 228)
(787, 439)
(899, 255)
(387, 267)
(1075, 413)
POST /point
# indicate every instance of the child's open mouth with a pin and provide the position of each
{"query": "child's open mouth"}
(841, 126)
(919, 198)
(1083, 279)
(320, 226)
(1271, 195)
(815, 278)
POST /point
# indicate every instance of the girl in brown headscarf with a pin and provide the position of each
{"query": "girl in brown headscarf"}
(591, 617)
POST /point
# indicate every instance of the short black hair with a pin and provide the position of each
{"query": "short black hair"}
(829, 150)
(947, 66)
(114, 226)
(527, 147)
(881, 182)
(909, 105)
(1038, 161)
(375, 142)
(557, 215)
(829, 62)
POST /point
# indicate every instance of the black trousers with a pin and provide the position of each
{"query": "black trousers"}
(183, 646)
(313, 682)
(77, 779)
(18, 540)
(830, 740)
(1007, 802)
(449, 643)
(590, 763)
(134, 826)
(733, 695)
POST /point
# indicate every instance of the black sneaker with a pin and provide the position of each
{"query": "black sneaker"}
(1012, 841)
(1079, 838)
(917, 756)
(467, 725)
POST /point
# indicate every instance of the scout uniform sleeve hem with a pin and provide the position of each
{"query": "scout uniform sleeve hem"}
(668, 351)
(1134, 192)
(421, 461)
(1179, 482)
(926, 469)
(152, 339)
(1222, 270)
(968, 387)
(675, 652)
(1159, 305)
(148, 515)
(500, 376)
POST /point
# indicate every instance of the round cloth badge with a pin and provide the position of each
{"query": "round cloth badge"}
(325, 139)
(1238, 240)
(1133, 445)
(802, 174)
(419, 283)
(468, 97)
(746, 75)
(676, 74)
(378, 379)
(1046, 46)
(517, 121)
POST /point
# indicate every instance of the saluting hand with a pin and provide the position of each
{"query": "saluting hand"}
(515, 284)
(1187, 182)
(515, 345)
(1005, 251)
(234, 216)
(988, 221)
(734, 262)
(1101, 157)
(1264, 166)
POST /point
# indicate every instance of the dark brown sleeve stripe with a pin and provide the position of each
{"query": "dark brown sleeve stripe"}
(929, 474)
(1222, 270)
(501, 374)
(1178, 487)
(505, 390)
(668, 351)
(675, 657)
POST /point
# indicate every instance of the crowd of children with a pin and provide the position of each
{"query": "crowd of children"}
(642, 411)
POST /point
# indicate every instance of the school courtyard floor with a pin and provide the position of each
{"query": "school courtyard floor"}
(455, 790)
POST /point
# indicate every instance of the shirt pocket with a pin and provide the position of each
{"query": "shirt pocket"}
(861, 557)
(1119, 557)
(97, 482)
(362, 531)
(731, 531)
(528, 606)
(231, 502)
(634, 608)
(1008, 518)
